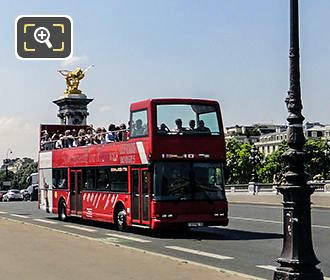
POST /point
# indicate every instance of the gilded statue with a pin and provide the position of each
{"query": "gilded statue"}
(72, 79)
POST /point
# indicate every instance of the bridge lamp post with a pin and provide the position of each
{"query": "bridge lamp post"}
(298, 260)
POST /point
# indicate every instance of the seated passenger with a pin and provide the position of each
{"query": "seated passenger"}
(56, 136)
(103, 135)
(138, 129)
(58, 144)
(202, 128)
(75, 137)
(179, 127)
(89, 137)
(67, 139)
(122, 134)
(163, 129)
(97, 139)
(44, 140)
(111, 135)
(192, 124)
(81, 140)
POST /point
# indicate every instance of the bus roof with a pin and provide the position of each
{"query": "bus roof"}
(145, 103)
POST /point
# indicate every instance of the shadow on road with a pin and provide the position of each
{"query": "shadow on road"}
(204, 233)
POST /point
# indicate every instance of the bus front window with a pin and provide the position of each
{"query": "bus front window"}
(188, 181)
(187, 119)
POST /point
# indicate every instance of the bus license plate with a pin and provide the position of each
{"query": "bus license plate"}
(195, 224)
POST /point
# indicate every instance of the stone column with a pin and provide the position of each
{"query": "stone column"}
(73, 109)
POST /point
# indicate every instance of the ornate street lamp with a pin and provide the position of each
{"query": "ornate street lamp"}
(297, 260)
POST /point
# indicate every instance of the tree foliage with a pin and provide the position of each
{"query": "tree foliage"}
(238, 164)
(272, 167)
(20, 178)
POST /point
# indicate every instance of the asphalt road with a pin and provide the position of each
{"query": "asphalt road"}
(250, 244)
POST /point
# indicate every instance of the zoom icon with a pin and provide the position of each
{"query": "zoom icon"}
(43, 37)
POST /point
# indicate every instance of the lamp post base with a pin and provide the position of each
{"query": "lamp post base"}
(282, 273)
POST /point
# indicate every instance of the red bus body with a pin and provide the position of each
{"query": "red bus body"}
(137, 158)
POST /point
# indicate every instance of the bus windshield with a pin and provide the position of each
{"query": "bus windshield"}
(182, 119)
(189, 181)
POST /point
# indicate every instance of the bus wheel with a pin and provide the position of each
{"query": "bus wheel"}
(120, 219)
(62, 212)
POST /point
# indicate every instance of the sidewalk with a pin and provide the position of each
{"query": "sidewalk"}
(32, 253)
(319, 200)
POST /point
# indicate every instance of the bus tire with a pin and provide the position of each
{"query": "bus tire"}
(121, 219)
(62, 216)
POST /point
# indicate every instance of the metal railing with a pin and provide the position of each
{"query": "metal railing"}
(255, 188)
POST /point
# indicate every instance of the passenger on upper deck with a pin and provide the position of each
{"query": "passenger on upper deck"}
(192, 124)
(163, 129)
(111, 135)
(89, 137)
(179, 127)
(67, 140)
(202, 128)
(122, 134)
(81, 141)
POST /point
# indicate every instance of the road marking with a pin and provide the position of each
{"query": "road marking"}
(45, 221)
(81, 228)
(270, 221)
(19, 216)
(255, 220)
(128, 237)
(269, 267)
(279, 207)
(197, 252)
(263, 205)
(2, 212)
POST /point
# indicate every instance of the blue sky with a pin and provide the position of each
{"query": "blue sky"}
(233, 51)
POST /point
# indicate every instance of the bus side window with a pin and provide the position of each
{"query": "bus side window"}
(89, 178)
(139, 124)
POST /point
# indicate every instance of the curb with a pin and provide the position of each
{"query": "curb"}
(274, 204)
(181, 260)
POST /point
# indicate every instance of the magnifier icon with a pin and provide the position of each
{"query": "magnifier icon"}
(41, 35)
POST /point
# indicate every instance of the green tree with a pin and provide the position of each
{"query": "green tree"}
(273, 165)
(20, 179)
(238, 164)
(5, 177)
(317, 161)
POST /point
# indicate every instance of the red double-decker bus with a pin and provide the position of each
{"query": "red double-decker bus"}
(168, 173)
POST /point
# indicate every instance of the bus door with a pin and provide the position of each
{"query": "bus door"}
(140, 189)
(75, 192)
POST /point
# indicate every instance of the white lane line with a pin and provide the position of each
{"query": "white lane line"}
(270, 221)
(255, 220)
(2, 212)
(81, 228)
(19, 216)
(269, 267)
(201, 253)
(128, 237)
(45, 221)
(279, 206)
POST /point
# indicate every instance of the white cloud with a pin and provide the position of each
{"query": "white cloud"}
(74, 61)
(105, 108)
(20, 135)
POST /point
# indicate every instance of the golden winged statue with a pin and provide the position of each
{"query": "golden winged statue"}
(72, 79)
